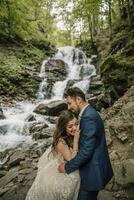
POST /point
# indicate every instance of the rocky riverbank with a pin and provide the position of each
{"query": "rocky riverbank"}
(20, 168)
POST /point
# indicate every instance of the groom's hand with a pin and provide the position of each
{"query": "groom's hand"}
(61, 167)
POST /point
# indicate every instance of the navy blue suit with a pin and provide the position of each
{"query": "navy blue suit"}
(92, 158)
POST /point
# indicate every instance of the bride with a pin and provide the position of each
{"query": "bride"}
(49, 184)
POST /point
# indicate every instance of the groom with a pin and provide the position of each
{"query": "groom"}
(92, 158)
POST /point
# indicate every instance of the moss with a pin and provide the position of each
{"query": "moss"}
(129, 49)
(10, 68)
(118, 75)
(17, 64)
(119, 41)
(29, 55)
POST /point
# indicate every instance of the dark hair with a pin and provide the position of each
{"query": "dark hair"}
(74, 92)
(60, 131)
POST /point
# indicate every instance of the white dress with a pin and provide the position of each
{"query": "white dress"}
(49, 184)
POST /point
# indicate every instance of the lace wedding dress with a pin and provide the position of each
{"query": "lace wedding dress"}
(49, 184)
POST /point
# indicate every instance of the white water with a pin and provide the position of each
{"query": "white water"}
(76, 61)
(43, 86)
(14, 130)
(14, 126)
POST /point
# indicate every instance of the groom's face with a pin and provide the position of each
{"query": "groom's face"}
(73, 105)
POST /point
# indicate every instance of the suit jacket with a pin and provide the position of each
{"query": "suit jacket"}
(92, 158)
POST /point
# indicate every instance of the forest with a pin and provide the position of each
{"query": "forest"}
(31, 30)
(78, 21)
(95, 42)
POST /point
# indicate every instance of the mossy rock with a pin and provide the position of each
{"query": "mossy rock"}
(116, 75)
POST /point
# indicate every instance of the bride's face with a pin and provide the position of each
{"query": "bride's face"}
(72, 126)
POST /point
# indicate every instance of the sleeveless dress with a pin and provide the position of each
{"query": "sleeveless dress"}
(49, 184)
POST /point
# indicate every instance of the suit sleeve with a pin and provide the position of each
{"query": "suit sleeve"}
(87, 145)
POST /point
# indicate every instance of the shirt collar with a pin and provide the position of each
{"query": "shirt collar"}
(81, 112)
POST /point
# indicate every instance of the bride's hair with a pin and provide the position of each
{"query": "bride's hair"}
(60, 131)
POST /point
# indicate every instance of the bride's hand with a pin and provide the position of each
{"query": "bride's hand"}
(77, 133)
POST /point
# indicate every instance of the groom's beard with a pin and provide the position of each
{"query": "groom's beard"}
(77, 111)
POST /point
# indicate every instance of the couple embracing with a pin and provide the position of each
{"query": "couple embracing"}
(76, 166)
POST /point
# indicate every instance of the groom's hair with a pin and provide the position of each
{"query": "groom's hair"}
(74, 92)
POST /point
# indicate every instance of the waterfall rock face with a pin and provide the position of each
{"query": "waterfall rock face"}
(68, 65)
(56, 70)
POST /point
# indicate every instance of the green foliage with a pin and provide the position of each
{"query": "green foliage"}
(29, 55)
(113, 62)
(120, 41)
(17, 67)
(35, 20)
(10, 69)
(25, 20)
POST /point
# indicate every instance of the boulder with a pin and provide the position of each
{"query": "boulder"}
(53, 108)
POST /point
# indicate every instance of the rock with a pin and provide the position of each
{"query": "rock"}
(37, 127)
(105, 195)
(52, 119)
(2, 116)
(56, 70)
(53, 108)
(119, 129)
(42, 135)
(31, 118)
(124, 173)
(11, 174)
(41, 109)
(2, 173)
(98, 101)
(15, 158)
(3, 129)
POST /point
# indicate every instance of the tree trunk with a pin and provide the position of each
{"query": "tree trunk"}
(124, 11)
(90, 28)
(110, 18)
(120, 7)
(128, 13)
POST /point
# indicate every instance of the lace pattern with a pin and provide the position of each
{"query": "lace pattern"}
(49, 184)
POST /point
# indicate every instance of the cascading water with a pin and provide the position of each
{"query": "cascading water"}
(79, 69)
(43, 86)
(14, 130)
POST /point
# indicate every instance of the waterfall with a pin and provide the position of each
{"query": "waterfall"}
(43, 85)
(14, 130)
(79, 69)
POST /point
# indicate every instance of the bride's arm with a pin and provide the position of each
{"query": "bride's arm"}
(66, 152)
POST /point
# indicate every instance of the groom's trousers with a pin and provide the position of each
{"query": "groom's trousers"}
(87, 195)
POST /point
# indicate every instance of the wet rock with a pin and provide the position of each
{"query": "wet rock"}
(3, 129)
(42, 135)
(41, 109)
(53, 108)
(2, 116)
(31, 118)
(37, 127)
(56, 70)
